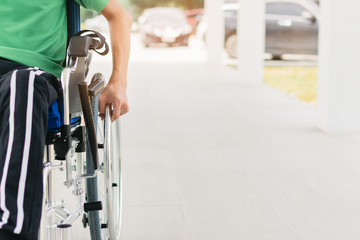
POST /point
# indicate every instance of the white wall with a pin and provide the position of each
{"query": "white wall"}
(339, 66)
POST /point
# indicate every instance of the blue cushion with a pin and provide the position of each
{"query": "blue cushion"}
(55, 120)
(54, 117)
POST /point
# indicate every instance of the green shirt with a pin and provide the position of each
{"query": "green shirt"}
(34, 32)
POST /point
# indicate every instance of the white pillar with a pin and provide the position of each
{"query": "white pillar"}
(251, 40)
(215, 31)
(339, 66)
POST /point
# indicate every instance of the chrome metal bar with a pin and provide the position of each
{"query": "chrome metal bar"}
(64, 232)
(77, 76)
(80, 157)
(48, 167)
(65, 82)
(62, 212)
(69, 180)
(50, 186)
(56, 205)
(74, 215)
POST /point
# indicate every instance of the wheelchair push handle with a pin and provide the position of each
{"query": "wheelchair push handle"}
(86, 40)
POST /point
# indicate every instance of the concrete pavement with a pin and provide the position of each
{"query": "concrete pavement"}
(206, 157)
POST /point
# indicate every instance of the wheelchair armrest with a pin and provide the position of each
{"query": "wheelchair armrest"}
(80, 45)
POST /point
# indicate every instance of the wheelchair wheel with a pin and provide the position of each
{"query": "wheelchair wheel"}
(107, 223)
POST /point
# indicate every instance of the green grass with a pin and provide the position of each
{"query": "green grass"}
(299, 82)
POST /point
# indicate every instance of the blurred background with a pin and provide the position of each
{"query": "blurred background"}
(244, 119)
(291, 40)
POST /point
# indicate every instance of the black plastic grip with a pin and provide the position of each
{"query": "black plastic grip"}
(93, 206)
(79, 46)
(97, 43)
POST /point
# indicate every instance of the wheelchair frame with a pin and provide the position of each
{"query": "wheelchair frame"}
(74, 149)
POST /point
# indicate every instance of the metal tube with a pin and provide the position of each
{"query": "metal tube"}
(64, 232)
(50, 186)
(69, 179)
(65, 79)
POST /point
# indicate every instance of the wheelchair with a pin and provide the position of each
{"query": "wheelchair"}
(84, 148)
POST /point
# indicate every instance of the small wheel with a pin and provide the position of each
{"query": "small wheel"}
(231, 45)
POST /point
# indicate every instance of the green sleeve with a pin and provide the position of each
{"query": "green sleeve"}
(94, 5)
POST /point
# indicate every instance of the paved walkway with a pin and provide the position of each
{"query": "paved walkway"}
(208, 158)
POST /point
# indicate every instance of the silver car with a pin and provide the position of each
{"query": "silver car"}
(291, 27)
(164, 25)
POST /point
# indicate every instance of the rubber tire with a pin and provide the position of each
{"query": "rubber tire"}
(276, 57)
(110, 162)
(230, 45)
(92, 183)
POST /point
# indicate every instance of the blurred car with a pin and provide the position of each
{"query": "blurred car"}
(164, 25)
(292, 27)
(193, 17)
